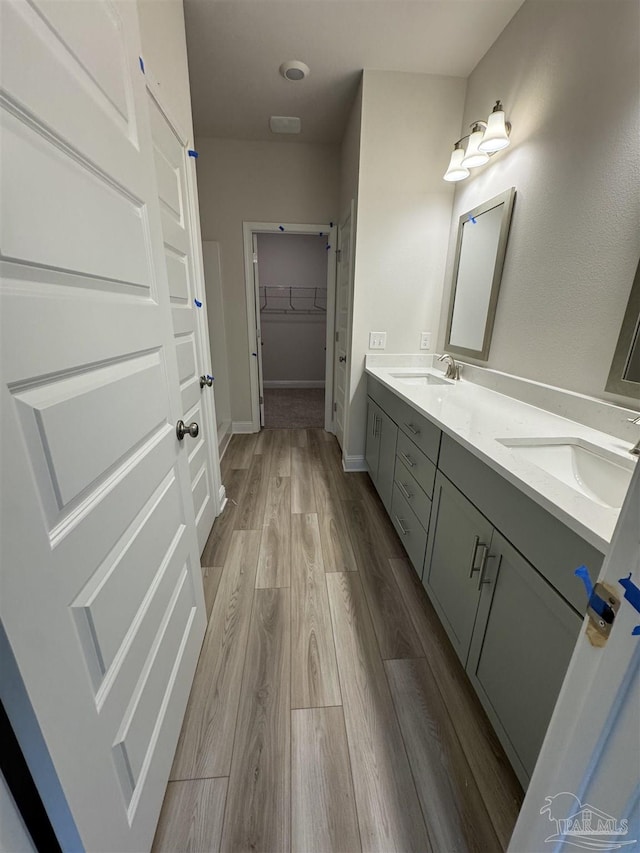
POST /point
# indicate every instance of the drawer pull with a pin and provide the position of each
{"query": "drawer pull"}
(404, 530)
(408, 459)
(405, 491)
(412, 429)
(483, 566)
(472, 564)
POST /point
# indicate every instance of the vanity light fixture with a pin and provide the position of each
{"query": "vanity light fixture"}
(485, 139)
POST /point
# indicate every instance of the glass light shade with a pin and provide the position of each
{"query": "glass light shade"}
(495, 136)
(474, 156)
(456, 172)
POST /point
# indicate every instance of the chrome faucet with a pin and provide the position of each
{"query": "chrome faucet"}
(635, 450)
(453, 368)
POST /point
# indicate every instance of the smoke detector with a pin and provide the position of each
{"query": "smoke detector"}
(294, 70)
(285, 124)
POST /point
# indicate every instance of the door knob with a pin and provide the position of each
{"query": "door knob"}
(182, 429)
(342, 358)
(206, 379)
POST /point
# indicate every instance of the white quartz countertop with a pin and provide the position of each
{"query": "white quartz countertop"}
(477, 418)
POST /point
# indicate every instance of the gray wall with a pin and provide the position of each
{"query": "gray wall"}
(568, 74)
(409, 122)
(260, 182)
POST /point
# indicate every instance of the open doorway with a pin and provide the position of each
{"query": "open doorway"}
(292, 290)
(291, 294)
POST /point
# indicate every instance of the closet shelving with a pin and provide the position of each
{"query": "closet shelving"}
(293, 300)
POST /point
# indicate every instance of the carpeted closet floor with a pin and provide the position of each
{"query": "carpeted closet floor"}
(293, 408)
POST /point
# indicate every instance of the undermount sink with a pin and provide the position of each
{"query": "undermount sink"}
(592, 471)
(421, 379)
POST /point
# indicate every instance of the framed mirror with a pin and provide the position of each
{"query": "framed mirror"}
(624, 376)
(477, 271)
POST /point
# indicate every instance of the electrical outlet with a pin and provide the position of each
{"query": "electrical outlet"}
(425, 340)
(377, 340)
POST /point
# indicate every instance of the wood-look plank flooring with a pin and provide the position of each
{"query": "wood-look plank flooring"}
(328, 711)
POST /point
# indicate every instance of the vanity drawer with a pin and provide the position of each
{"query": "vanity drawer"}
(412, 534)
(422, 432)
(421, 468)
(412, 493)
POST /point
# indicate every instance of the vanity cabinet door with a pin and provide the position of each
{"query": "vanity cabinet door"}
(523, 640)
(372, 444)
(380, 451)
(458, 543)
(387, 459)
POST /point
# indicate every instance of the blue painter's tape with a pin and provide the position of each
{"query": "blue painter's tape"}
(209, 376)
(473, 219)
(583, 573)
(281, 227)
(198, 303)
(631, 592)
(193, 153)
(327, 247)
(141, 64)
(632, 595)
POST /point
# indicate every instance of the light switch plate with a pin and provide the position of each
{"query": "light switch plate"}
(425, 340)
(377, 340)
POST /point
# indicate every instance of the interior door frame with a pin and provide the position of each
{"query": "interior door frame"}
(193, 216)
(349, 213)
(251, 300)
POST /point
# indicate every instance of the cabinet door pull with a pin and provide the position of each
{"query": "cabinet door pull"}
(486, 556)
(412, 429)
(408, 459)
(405, 491)
(404, 530)
(472, 564)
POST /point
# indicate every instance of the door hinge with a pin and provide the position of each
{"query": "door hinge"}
(338, 254)
(335, 407)
(337, 337)
(255, 258)
(261, 400)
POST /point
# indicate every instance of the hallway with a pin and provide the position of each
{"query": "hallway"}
(328, 711)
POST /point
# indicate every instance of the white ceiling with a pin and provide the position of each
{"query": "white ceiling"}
(236, 47)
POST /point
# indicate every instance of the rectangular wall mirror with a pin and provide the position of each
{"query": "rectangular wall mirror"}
(624, 376)
(477, 271)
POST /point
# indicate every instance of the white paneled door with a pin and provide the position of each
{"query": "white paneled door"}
(101, 593)
(188, 313)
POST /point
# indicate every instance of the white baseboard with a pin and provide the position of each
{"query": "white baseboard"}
(222, 499)
(354, 463)
(224, 435)
(223, 444)
(241, 427)
(293, 383)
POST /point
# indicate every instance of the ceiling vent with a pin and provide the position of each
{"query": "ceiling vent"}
(294, 70)
(285, 124)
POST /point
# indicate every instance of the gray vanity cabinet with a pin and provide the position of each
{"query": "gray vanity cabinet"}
(504, 588)
(457, 552)
(523, 640)
(380, 451)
